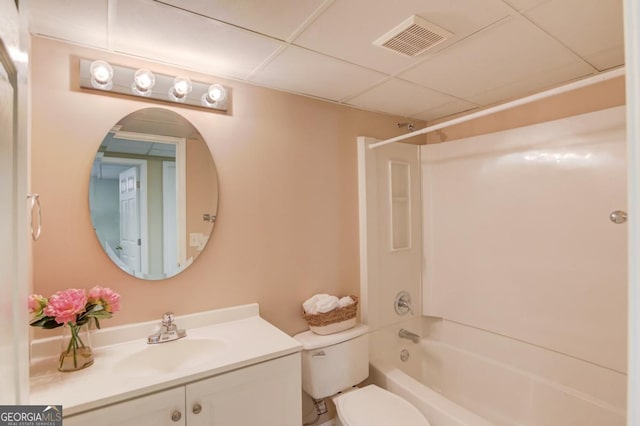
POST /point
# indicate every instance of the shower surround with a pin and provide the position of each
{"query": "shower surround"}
(527, 272)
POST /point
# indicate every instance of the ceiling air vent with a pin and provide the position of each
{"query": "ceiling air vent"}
(413, 36)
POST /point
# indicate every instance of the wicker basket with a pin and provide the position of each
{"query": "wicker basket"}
(333, 321)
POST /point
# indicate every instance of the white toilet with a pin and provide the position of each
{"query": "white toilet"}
(333, 364)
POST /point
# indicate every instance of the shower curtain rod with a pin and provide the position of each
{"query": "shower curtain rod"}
(527, 99)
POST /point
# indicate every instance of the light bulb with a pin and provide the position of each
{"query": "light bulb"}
(101, 75)
(181, 88)
(215, 94)
(143, 81)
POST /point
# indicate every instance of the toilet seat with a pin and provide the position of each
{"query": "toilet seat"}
(374, 406)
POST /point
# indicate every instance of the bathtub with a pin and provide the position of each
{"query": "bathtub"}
(453, 385)
(439, 410)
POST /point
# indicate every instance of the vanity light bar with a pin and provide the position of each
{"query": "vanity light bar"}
(102, 76)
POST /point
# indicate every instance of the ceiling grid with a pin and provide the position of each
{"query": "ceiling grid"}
(498, 50)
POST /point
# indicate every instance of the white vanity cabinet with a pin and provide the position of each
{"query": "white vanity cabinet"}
(265, 394)
(158, 409)
(232, 368)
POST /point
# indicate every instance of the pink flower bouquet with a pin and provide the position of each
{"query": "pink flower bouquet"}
(75, 308)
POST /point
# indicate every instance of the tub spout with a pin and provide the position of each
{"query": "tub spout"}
(406, 334)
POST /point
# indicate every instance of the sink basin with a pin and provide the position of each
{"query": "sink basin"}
(168, 357)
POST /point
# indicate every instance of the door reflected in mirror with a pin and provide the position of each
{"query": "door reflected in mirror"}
(153, 194)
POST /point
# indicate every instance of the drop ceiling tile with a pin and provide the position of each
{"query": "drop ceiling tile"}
(514, 52)
(524, 4)
(529, 86)
(607, 59)
(450, 108)
(152, 30)
(78, 21)
(276, 18)
(591, 28)
(126, 147)
(494, 55)
(302, 71)
(348, 28)
(400, 97)
(163, 150)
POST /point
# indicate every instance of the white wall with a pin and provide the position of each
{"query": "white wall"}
(390, 230)
(14, 184)
(7, 243)
(523, 262)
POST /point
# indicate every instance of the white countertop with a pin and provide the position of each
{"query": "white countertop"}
(235, 337)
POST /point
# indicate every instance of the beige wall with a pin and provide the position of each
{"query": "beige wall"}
(288, 214)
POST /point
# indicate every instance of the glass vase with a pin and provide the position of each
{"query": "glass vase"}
(75, 351)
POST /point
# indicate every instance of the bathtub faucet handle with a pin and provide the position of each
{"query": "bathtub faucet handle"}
(403, 303)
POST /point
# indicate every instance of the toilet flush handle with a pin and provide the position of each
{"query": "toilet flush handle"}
(318, 354)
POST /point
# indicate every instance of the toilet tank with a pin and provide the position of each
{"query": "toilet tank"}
(335, 362)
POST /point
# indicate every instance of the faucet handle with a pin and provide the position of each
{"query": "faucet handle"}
(167, 319)
(168, 331)
(406, 305)
(402, 304)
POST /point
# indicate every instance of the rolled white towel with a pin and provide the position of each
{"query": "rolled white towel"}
(345, 301)
(320, 303)
(310, 306)
(327, 304)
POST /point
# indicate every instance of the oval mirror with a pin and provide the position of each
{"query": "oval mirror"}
(153, 194)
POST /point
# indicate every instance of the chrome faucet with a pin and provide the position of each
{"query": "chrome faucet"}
(168, 331)
(406, 334)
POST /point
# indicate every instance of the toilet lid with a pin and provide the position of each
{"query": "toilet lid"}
(374, 406)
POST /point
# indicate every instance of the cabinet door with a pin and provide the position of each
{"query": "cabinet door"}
(162, 408)
(266, 394)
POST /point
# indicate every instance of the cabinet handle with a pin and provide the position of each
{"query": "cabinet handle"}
(176, 416)
(197, 408)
